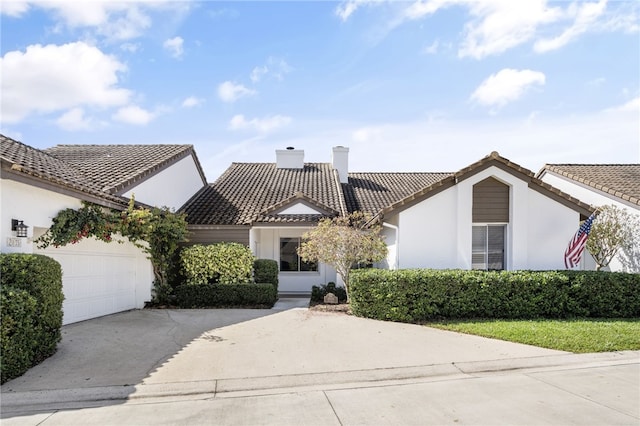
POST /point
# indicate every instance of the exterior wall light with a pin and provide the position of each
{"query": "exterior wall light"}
(19, 227)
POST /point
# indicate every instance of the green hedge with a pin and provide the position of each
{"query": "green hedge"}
(416, 295)
(17, 332)
(224, 263)
(261, 295)
(318, 292)
(31, 321)
(266, 271)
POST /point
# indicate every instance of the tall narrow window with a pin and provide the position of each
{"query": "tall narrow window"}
(289, 259)
(488, 247)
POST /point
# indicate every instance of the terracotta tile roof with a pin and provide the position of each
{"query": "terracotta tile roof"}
(26, 160)
(619, 180)
(372, 192)
(247, 192)
(116, 167)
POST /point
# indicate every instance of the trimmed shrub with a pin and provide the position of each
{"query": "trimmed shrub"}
(41, 277)
(17, 332)
(318, 292)
(261, 295)
(266, 271)
(224, 263)
(423, 294)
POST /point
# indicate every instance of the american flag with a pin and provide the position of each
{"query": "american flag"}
(574, 250)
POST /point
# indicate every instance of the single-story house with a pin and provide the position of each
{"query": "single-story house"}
(98, 278)
(598, 185)
(492, 214)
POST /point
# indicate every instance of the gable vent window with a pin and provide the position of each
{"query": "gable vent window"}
(289, 259)
(488, 243)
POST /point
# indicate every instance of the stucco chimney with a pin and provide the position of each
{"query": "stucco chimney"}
(290, 158)
(340, 162)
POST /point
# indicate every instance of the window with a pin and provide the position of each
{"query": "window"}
(488, 247)
(289, 259)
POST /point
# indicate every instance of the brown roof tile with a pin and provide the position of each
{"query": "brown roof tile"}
(372, 192)
(619, 180)
(30, 161)
(246, 192)
(116, 167)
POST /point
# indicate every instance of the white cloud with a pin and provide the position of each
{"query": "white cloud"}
(130, 47)
(367, 134)
(432, 49)
(506, 86)
(114, 20)
(231, 92)
(496, 26)
(50, 78)
(258, 72)
(275, 67)
(585, 15)
(263, 125)
(596, 82)
(14, 8)
(345, 9)
(74, 120)
(501, 25)
(191, 102)
(632, 105)
(174, 46)
(420, 9)
(133, 114)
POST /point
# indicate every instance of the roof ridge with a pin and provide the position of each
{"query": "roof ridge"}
(87, 185)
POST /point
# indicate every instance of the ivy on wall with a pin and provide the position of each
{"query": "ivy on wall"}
(156, 231)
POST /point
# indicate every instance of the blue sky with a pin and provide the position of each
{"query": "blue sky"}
(407, 86)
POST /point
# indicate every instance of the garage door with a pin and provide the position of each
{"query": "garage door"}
(100, 279)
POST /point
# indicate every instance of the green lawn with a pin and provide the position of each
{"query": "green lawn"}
(578, 336)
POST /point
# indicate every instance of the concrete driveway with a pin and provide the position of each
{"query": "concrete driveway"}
(289, 361)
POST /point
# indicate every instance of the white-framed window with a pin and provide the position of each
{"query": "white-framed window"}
(488, 246)
(289, 259)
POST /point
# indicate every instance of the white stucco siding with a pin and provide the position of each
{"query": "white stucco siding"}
(437, 232)
(171, 187)
(428, 233)
(265, 244)
(35, 206)
(550, 228)
(299, 208)
(97, 278)
(595, 198)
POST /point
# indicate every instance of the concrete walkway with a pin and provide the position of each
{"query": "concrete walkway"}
(289, 365)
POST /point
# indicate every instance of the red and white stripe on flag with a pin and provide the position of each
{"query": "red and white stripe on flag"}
(573, 253)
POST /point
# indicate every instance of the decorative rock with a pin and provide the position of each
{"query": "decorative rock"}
(331, 299)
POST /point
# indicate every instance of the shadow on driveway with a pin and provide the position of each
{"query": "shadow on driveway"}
(125, 348)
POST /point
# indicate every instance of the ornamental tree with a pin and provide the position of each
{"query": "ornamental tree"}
(613, 231)
(156, 231)
(344, 242)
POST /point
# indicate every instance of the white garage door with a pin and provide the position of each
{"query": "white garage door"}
(100, 279)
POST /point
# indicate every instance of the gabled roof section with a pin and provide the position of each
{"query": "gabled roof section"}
(249, 193)
(492, 160)
(620, 181)
(115, 168)
(372, 192)
(24, 161)
(274, 213)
